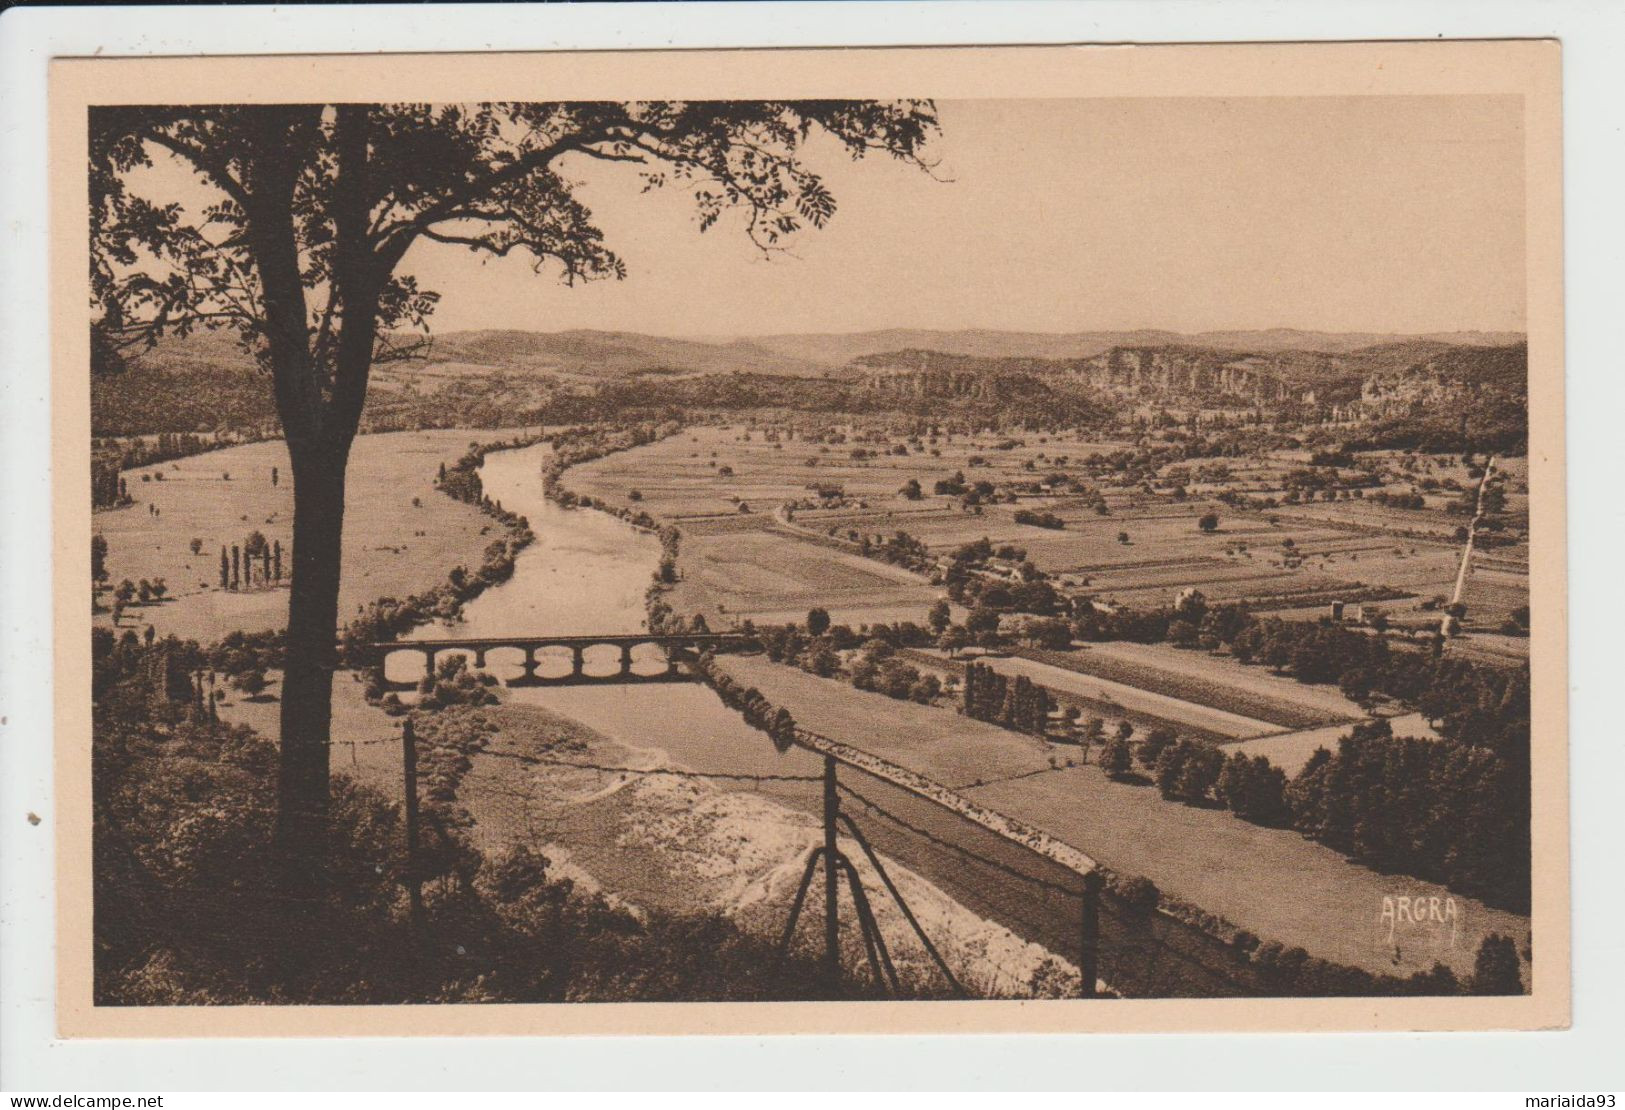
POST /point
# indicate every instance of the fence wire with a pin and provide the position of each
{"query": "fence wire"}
(1006, 919)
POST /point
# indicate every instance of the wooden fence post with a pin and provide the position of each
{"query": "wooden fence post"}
(1089, 957)
(832, 890)
(409, 760)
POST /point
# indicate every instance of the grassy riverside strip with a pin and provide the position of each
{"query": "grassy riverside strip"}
(574, 446)
(1142, 721)
(1257, 966)
(1183, 687)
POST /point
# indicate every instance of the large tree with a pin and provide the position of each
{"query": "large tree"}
(312, 209)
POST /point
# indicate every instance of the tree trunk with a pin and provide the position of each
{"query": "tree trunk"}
(307, 683)
(318, 428)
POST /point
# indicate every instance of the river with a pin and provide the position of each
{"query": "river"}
(666, 841)
(587, 573)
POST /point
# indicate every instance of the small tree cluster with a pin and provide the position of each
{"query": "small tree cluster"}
(1188, 770)
(1018, 704)
(1253, 789)
(1155, 743)
(881, 672)
(454, 683)
(1440, 810)
(1039, 519)
(98, 561)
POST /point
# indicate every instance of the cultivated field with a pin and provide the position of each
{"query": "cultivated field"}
(1185, 715)
(392, 546)
(775, 578)
(1271, 881)
(773, 565)
(1291, 750)
(1211, 680)
(724, 483)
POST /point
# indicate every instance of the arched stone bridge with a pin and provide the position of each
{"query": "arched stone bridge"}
(676, 648)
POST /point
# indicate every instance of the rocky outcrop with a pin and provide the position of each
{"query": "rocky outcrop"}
(1166, 373)
(1372, 382)
(1188, 373)
(1455, 379)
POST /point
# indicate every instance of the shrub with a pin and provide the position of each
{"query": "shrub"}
(1138, 894)
(251, 683)
(1496, 969)
(1156, 741)
(1117, 759)
(453, 683)
(926, 690)
(1253, 789)
(1200, 771)
(1188, 770)
(1039, 519)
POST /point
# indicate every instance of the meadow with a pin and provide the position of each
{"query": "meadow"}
(400, 535)
(1271, 881)
(1206, 679)
(1291, 750)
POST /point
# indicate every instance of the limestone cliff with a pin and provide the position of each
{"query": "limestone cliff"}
(1369, 382)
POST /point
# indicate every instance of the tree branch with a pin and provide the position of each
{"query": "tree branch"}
(210, 167)
(394, 240)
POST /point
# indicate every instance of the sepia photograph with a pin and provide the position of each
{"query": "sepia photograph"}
(1039, 538)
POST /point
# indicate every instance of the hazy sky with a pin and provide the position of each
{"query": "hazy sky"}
(1393, 214)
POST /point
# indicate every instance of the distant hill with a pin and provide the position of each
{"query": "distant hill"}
(203, 383)
(606, 354)
(1501, 368)
(206, 383)
(842, 348)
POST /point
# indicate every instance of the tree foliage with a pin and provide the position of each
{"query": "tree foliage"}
(351, 188)
(310, 210)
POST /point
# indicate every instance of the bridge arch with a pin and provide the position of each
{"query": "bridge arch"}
(608, 659)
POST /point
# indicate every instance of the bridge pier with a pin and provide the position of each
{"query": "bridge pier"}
(678, 649)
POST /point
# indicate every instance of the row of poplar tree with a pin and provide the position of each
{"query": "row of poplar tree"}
(237, 563)
(1016, 703)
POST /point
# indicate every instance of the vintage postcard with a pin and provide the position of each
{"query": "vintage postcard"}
(984, 539)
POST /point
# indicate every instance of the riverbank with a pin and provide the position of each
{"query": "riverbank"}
(664, 837)
(668, 842)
